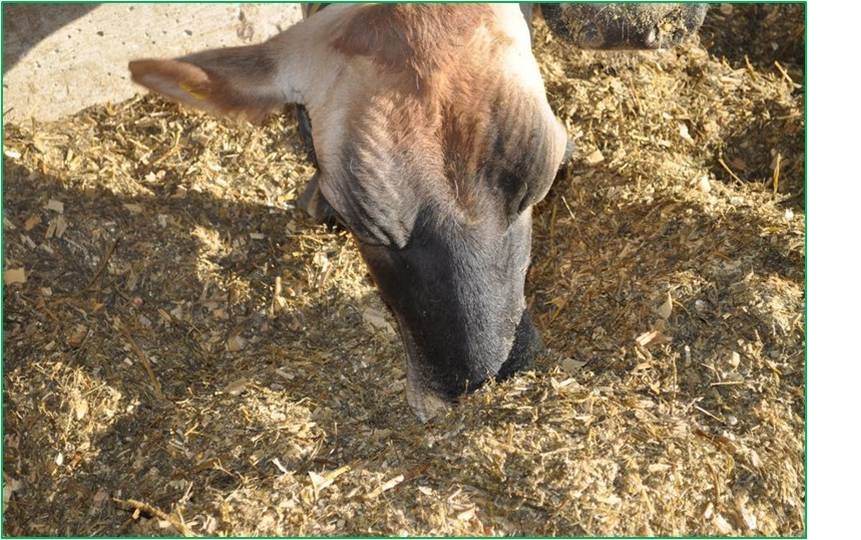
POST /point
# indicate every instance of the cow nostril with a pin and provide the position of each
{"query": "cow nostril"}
(527, 345)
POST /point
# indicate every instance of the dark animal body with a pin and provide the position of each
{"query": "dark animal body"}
(433, 139)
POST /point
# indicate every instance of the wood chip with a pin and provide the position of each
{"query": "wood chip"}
(238, 386)
(754, 458)
(59, 226)
(32, 221)
(389, 484)
(81, 408)
(318, 481)
(666, 309)
(284, 374)
(55, 205)
(646, 338)
(324, 480)
(467, 514)
(746, 515)
(235, 343)
(377, 319)
(282, 468)
(595, 157)
(571, 365)
(734, 359)
(684, 133)
(14, 275)
(10, 486)
(722, 525)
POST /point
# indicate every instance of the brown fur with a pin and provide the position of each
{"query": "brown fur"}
(440, 96)
(421, 38)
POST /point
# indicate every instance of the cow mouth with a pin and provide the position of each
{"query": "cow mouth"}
(424, 403)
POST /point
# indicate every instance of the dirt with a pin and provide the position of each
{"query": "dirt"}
(186, 353)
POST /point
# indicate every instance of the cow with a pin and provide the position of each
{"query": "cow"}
(433, 139)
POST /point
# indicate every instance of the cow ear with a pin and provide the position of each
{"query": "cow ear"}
(235, 81)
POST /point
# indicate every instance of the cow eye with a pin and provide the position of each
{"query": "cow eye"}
(333, 217)
(362, 235)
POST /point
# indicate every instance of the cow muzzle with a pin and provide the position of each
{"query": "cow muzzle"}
(624, 26)
(426, 403)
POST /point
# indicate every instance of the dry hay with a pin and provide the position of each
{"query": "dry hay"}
(186, 353)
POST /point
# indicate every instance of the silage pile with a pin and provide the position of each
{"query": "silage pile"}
(185, 353)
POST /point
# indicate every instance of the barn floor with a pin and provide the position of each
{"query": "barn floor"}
(186, 354)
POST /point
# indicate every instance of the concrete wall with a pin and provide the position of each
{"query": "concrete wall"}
(60, 58)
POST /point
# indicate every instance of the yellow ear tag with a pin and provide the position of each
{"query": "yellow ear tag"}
(193, 93)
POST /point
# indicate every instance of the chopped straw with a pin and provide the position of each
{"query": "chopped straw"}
(219, 361)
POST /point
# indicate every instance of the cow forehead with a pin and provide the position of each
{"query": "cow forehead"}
(418, 59)
(424, 39)
(422, 125)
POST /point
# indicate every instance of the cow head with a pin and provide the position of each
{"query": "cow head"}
(434, 140)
